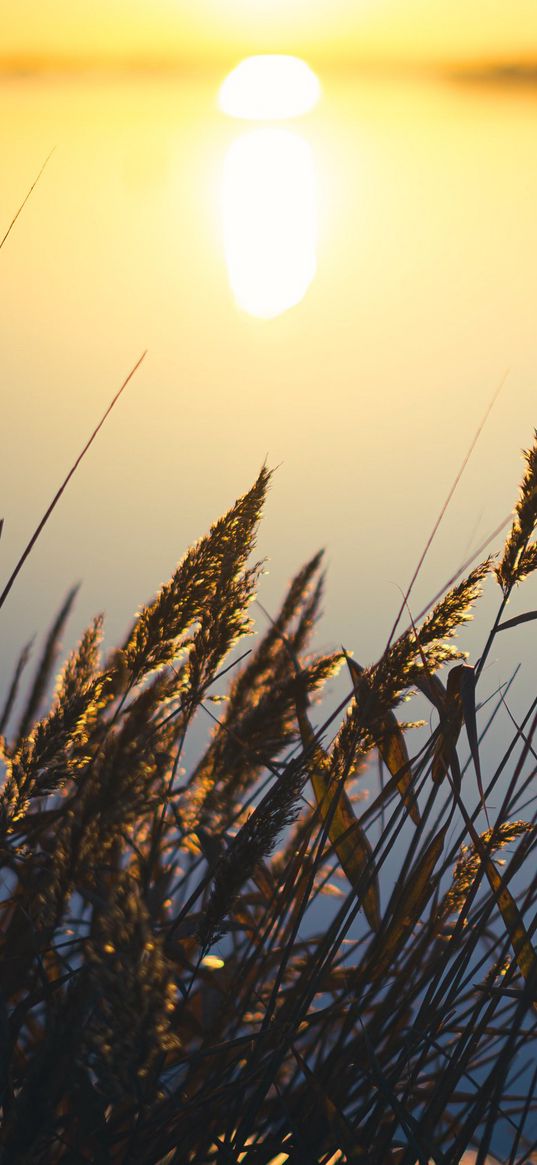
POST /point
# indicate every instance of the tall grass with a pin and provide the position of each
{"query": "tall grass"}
(218, 964)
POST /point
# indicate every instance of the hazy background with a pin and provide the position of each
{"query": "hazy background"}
(198, 32)
(366, 394)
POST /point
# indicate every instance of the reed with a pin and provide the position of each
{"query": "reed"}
(218, 964)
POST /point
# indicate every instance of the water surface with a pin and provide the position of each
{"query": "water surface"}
(416, 295)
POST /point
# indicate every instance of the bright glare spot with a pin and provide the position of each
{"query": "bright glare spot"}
(270, 220)
(212, 962)
(268, 88)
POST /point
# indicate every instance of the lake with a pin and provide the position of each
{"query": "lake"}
(409, 251)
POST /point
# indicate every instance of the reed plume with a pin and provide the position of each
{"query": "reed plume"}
(519, 557)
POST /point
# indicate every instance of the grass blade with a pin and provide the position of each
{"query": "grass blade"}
(65, 483)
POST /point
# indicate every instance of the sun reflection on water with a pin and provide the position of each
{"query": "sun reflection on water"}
(269, 220)
(269, 196)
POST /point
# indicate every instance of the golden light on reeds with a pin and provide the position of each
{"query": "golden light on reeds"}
(269, 217)
(212, 962)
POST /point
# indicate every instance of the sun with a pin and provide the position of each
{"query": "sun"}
(270, 87)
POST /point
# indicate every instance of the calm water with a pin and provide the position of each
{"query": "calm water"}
(405, 226)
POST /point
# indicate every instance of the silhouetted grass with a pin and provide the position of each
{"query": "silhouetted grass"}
(216, 964)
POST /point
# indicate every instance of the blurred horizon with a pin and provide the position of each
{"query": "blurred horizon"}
(506, 71)
(54, 35)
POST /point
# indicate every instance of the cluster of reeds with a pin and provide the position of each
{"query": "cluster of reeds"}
(220, 964)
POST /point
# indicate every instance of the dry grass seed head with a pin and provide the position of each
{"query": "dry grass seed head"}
(156, 636)
(133, 992)
(470, 862)
(519, 559)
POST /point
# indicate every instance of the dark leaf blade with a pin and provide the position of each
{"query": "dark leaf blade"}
(409, 906)
(391, 745)
(350, 843)
(524, 952)
(464, 682)
(394, 752)
(527, 617)
(432, 687)
(344, 1134)
(344, 831)
(449, 730)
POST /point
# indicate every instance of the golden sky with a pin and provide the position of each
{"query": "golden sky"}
(404, 31)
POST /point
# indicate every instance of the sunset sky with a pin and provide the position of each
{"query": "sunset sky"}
(402, 31)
